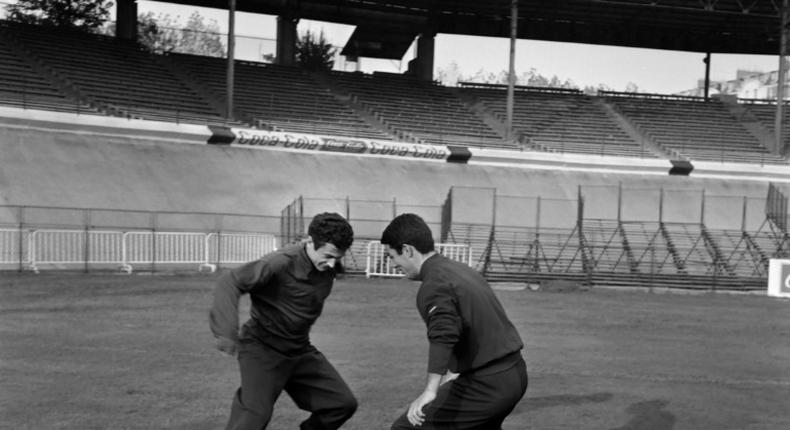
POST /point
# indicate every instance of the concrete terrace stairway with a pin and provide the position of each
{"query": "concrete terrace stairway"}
(496, 123)
(749, 121)
(765, 112)
(219, 104)
(643, 140)
(363, 112)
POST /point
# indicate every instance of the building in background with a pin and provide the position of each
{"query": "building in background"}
(746, 85)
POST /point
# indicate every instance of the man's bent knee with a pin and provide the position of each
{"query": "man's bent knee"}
(333, 417)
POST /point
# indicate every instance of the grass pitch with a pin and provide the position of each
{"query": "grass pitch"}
(134, 352)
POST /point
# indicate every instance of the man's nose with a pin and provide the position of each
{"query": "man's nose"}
(331, 262)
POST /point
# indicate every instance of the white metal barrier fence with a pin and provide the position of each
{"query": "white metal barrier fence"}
(69, 247)
(239, 248)
(379, 264)
(32, 248)
(14, 247)
(145, 247)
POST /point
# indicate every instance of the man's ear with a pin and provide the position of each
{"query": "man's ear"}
(408, 250)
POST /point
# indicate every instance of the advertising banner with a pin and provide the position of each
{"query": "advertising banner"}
(779, 278)
(306, 142)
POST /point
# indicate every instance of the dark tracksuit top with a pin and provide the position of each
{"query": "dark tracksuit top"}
(287, 294)
(468, 329)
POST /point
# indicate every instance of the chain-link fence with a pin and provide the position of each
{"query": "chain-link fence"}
(619, 235)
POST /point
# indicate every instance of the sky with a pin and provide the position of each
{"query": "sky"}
(652, 70)
(656, 71)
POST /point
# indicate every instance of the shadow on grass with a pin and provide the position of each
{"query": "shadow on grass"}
(530, 404)
(216, 423)
(648, 415)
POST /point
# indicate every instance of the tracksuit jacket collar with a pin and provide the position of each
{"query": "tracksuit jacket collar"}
(302, 264)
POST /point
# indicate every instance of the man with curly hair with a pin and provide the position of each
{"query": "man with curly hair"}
(287, 289)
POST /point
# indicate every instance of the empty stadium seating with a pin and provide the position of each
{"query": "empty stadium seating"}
(428, 112)
(118, 76)
(607, 243)
(765, 112)
(22, 86)
(477, 236)
(508, 252)
(611, 252)
(279, 97)
(692, 127)
(562, 120)
(750, 251)
(72, 71)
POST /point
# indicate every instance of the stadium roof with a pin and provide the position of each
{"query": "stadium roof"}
(717, 26)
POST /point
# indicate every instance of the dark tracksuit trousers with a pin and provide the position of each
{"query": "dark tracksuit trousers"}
(274, 351)
(308, 378)
(473, 401)
(470, 333)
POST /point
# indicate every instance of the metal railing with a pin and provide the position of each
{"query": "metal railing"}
(14, 246)
(378, 262)
(32, 249)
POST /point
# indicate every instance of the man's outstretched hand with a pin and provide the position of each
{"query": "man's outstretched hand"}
(415, 414)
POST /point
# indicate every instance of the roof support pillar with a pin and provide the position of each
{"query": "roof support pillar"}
(286, 40)
(231, 58)
(126, 20)
(780, 82)
(706, 60)
(511, 74)
(421, 66)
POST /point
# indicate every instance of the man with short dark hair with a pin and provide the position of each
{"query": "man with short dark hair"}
(469, 335)
(287, 289)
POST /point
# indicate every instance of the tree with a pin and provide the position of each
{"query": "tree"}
(452, 75)
(161, 34)
(593, 90)
(449, 76)
(482, 76)
(88, 15)
(158, 34)
(537, 80)
(201, 38)
(315, 52)
(632, 88)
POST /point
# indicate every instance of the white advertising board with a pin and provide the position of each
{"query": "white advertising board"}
(779, 278)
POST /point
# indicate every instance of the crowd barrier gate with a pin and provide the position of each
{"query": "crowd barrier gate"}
(62, 247)
(378, 262)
